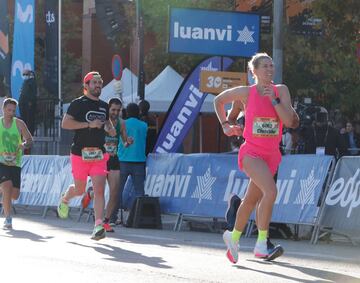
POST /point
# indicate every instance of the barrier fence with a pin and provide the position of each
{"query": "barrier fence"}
(200, 185)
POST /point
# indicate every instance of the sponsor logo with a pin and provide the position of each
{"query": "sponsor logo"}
(26, 15)
(182, 118)
(204, 186)
(347, 194)
(50, 17)
(307, 192)
(93, 115)
(20, 66)
(245, 35)
(169, 185)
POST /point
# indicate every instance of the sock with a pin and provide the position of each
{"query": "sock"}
(98, 222)
(262, 235)
(106, 220)
(235, 235)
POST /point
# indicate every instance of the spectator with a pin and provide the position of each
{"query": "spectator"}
(132, 159)
(287, 141)
(352, 140)
(321, 138)
(150, 120)
(28, 100)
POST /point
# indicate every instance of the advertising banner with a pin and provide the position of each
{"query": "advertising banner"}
(342, 203)
(23, 46)
(214, 32)
(51, 47)
(185, 106)
(201, 184)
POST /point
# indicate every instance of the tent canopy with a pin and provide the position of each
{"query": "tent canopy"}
(162, 90)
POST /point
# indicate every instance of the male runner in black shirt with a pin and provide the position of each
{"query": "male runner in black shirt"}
(89, 117)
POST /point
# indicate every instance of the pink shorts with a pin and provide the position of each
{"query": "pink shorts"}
(82, 169)
(272, 159)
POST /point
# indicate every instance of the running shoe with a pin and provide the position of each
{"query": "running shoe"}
(261, 250)
(108, 227)
(269, 244)
(98, 233)
(86, 199)
(275, 252)
(63, 209)
(8, 223)
(232, 247)
(230, 214)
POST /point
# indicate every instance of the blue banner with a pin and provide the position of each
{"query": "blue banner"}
(23, 47)
(214, 32)
(201, 184)
(186, 106)
(51, 47)
(4, 42)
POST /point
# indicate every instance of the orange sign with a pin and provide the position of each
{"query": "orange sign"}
(216, 82)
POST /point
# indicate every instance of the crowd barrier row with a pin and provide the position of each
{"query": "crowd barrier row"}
(311, 190)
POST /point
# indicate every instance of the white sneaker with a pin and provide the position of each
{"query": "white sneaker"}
(261, 250)
(232, 247)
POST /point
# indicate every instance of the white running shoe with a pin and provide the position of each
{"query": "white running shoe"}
(232, 247)
(261, 250)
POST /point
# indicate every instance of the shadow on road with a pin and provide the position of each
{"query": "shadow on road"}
(325, 275)
(145, 240)
(22, 234)
(118, 254)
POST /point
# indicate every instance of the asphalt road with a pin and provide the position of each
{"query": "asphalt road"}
(52, 250)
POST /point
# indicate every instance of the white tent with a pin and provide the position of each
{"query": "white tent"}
(129, 84)
(162, 90)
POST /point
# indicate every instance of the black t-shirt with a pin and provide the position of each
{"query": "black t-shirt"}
(84, 109)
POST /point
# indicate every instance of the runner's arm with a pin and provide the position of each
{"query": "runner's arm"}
(109, 127)
(285, 110)
(69, 123)
(25, 133)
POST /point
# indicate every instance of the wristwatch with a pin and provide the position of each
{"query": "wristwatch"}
(275, 101)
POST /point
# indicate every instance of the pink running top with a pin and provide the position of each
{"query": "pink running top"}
(263, 127)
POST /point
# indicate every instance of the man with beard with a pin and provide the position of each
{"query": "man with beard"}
(88, 116)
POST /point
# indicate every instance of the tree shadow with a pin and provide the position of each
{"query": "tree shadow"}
(118, 254)
(325, 275)
(22, 234)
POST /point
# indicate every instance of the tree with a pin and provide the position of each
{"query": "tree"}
(326, 68)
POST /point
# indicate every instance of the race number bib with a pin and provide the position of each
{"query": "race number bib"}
(9, 158)
(111, 148)
(91, 154)
(265, 127)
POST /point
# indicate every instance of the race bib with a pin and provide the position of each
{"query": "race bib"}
(92, 154)
(111, 148)
(265, 127)
(9, 158)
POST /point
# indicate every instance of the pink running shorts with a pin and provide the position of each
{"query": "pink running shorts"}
(82, 169)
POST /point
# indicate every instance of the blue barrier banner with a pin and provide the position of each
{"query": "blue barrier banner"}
(44, 178)
(186, 106)
(23, 46)
(342, 210)
(214, 32)
(200, 184)
(300, 183)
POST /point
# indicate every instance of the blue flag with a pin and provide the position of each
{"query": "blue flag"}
(186, 106)
(23, 47)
